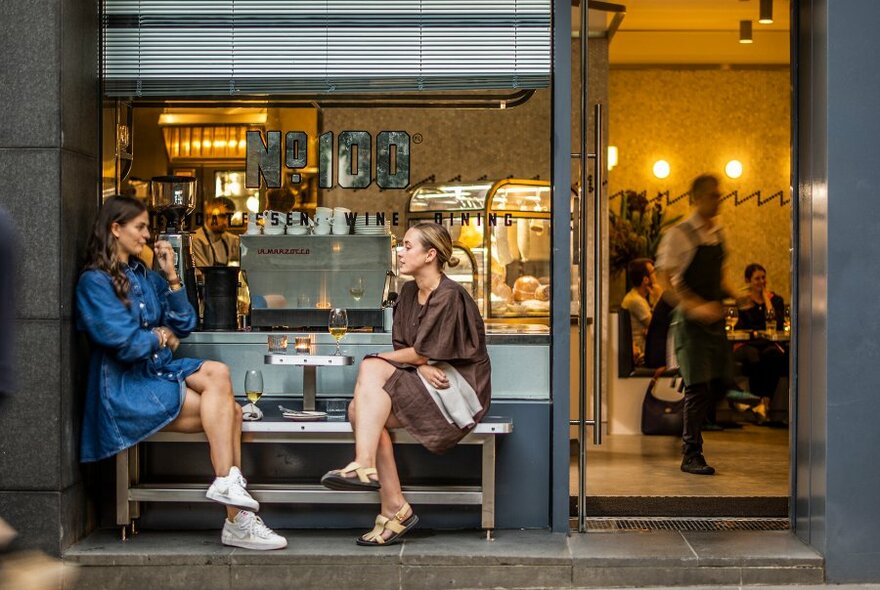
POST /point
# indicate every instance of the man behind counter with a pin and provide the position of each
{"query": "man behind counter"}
(212, 245)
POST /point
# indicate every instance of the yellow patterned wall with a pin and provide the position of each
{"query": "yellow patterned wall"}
(698, 120)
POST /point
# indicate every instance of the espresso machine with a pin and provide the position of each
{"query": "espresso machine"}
(295, 280)
(173, 198)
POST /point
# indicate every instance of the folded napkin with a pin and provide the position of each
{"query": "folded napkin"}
(250, 412)
(459, 402)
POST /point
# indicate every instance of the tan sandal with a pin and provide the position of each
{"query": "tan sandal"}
(397, 525)
(337, 480)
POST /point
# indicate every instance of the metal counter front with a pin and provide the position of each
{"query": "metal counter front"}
(520, 361)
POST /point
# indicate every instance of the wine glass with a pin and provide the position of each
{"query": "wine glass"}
(770, 315)
(338, 325)
(356, 289)
(786, 319)
(731, 317)
(253, 385)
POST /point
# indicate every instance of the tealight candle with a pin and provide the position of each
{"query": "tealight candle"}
(302, 344)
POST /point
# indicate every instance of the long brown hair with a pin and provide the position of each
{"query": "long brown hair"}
(101, 251)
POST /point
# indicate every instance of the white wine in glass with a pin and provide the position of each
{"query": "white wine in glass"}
(338, 325)
(356, 290)
(253, 385)
(731, 317)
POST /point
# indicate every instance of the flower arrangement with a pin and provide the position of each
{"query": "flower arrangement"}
(635, 229)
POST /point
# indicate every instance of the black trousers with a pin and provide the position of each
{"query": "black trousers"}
(763, 363)
(699, 399)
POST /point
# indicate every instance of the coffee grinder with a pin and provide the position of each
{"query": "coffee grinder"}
(173, 198)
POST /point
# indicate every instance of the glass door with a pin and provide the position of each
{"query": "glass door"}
(659, 98)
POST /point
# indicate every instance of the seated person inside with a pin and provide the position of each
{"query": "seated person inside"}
(764, 362)
(639, 302)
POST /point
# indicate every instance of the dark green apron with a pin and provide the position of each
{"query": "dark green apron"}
(703, 351)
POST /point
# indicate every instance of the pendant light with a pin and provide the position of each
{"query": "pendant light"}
(745, 31)
(766, 12)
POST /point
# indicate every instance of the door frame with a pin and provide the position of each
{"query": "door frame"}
(561, 269)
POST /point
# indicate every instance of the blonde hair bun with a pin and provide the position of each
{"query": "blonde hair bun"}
(453, 262)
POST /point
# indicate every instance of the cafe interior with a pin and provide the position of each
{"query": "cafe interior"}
(687, 87)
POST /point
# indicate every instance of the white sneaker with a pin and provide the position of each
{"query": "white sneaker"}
(230, 490)
(248, 532)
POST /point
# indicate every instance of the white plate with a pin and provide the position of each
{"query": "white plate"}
(305, 416)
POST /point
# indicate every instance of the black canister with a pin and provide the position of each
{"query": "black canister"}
(221, 297)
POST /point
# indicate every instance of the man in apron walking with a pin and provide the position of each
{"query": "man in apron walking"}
(690, 262)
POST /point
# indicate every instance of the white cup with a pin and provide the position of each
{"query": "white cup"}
(322, 229)
(274, 222)
(298, 219)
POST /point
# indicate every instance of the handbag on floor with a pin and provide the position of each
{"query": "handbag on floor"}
(659, 416)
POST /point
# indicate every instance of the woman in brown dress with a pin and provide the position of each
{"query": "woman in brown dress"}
(436, 383)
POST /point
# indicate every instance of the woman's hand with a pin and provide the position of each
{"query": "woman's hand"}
(169, 337)
(436, 377)
(165, 255)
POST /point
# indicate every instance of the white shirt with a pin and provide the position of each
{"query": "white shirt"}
(677, 248)
(639, 316)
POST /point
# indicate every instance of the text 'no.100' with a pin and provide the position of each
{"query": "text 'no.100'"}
(352, 158)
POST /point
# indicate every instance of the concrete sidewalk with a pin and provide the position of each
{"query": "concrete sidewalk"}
(446, 560)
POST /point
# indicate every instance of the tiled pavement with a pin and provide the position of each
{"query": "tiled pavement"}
(446, 560)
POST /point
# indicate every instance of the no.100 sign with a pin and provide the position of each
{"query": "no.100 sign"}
(352, 158)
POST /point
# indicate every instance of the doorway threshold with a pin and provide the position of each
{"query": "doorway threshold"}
(684, 506)
(664, 523)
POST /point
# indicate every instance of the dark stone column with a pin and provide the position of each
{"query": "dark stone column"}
(49, 182)
(837, 381)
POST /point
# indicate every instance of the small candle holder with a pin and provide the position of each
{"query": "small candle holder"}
(302, 344)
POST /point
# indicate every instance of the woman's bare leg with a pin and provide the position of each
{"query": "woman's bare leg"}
(373, 408)
(220, 416)
(190, 420)
(390, 494)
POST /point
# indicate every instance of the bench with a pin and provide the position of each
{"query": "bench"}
(275, 429)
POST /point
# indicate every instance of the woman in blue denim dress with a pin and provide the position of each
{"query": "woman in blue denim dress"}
(134, 319)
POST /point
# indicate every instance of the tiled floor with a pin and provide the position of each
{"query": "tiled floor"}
(752, 461)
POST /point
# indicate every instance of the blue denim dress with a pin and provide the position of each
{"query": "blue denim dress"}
(135, 388)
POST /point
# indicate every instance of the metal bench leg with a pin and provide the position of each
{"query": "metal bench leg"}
(134, 478)
(488, 486)
(123, 512)
(127, 473)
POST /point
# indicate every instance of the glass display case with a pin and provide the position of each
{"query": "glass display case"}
(501, 237)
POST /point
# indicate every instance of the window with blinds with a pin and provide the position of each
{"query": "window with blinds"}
(223, 48)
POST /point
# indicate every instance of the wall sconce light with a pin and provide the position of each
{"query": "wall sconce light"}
(612, 156)
(745, 31)
(734, 169)
(766, 12)
(661, 169)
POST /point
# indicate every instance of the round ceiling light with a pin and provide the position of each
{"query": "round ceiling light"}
(734, 169)
(661, 169)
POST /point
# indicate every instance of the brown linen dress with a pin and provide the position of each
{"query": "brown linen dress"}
(448, 327)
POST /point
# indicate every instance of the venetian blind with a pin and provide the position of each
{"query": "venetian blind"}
(222, 48)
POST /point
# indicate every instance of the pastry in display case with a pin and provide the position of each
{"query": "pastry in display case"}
(501, 236)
